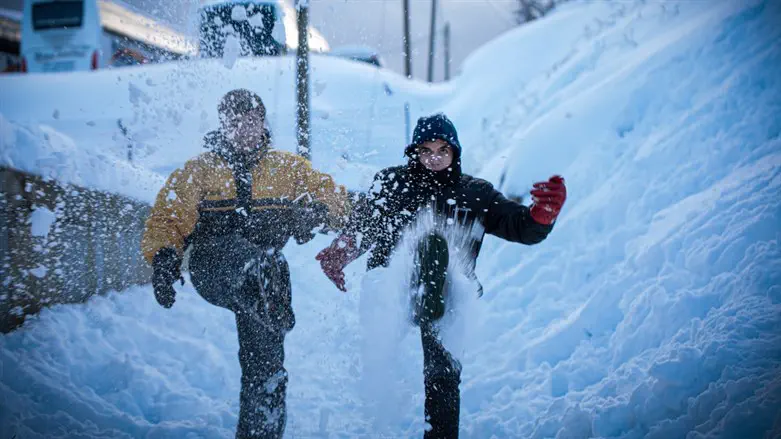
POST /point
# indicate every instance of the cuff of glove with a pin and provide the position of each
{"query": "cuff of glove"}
(347, 245)
(542, 216)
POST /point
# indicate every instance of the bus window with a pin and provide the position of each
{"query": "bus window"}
(58, 15)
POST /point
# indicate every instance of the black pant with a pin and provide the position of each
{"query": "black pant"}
(254, 283)
(441, 372)
(441, 376)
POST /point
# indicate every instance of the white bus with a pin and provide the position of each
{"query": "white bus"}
(73, 35)
(77, 35)
(60, 36)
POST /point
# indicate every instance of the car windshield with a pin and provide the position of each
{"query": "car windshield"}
(251, 23)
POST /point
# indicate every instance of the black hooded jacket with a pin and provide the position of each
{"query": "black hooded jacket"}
(400, 193)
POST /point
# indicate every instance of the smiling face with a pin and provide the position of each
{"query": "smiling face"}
(435, 155)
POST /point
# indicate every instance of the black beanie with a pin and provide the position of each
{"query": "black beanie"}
(238, 102)
(433, 127)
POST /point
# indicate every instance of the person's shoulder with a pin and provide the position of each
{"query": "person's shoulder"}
(385, 178)
(278, 154)
(208, 159)
(391, 173)
(287, 159)
(475, 183)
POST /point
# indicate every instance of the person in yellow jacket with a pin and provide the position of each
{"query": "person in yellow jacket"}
(236, 206)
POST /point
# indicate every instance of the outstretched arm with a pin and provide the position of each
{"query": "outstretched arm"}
(527, 225)
(513, 221)
(358, 235)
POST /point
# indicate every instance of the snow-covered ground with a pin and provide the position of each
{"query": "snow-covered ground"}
(653, 309)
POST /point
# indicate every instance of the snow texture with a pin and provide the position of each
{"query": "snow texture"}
(390, 343)
(41, 150)
(653, 310)
(41, 220)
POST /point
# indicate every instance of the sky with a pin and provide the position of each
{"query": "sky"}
(378, 24)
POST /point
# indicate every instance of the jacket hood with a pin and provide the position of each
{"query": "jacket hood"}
(434, 127)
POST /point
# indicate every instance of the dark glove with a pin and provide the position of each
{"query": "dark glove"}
(335, 257)
(166, 265)
(549, 197)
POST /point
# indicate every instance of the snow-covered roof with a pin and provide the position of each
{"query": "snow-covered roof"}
(9, 25)
(12, 14)
(119, 18)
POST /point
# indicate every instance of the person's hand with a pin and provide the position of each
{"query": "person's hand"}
(166, 266)
(549, 197)
(335, 257)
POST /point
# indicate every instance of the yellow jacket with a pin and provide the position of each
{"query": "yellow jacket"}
(202, 197)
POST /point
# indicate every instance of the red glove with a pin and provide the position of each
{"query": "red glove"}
(548, 199)
(335, 257)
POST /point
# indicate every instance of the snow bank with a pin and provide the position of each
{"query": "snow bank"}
(495, 75)
(633, 319)
(40, 150)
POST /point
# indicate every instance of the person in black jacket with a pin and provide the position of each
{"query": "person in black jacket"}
(432, 179)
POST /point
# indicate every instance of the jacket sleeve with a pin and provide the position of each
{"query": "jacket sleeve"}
(512, 221)
(322, 187)
(174, 213)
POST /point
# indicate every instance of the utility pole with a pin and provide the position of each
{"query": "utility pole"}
(302, 78)
(431, 39)
(407, 49)
(447, 51)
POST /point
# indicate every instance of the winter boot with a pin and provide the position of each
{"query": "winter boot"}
(430, 279)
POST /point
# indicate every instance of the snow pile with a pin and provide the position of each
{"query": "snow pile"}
(110, 369)
(43, 151)
(652, 310)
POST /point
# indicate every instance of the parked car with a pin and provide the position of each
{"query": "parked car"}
(127, 57)
(359, 53)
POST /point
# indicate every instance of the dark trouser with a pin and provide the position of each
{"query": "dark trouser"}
(232, 273)
(441, 372)
(441, 376)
